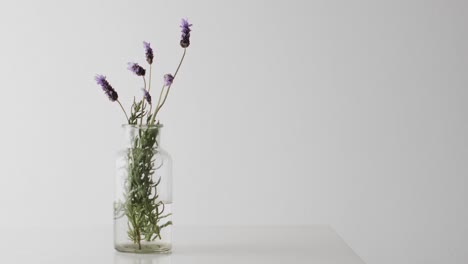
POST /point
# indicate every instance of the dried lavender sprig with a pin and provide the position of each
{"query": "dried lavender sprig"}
(148, 52)
(137, 69)
(106, 87)
(147, 96)
(109, 91)
(185, 39)
(168, 79)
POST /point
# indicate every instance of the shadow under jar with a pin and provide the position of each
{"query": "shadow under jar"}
(143, 194)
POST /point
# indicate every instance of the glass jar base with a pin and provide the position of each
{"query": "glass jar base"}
(145, 248)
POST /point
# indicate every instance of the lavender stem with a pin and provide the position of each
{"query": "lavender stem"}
(143, 100)
(160, 96)
(149, 85)
(169, 87)
(123, 111)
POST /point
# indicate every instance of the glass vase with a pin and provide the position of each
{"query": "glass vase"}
(143, 197)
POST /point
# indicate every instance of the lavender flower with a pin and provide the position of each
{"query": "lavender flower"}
(137, 69)
(149, 52)
(147, 96)
(168, 79)
(106, 87)
(185, 41)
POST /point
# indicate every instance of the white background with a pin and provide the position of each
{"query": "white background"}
(348, 113)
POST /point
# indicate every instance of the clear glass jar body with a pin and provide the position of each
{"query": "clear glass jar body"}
(143, 193)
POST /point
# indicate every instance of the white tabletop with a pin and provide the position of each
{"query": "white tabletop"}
(317, 244)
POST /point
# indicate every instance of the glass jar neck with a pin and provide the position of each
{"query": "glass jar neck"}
(142, 136)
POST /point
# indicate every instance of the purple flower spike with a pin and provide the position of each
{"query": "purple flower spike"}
(106, 87)
(185, 41)
(149, 52)
(168, 79)
(137, 69)
(147, 96)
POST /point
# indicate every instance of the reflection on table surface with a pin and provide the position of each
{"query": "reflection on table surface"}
(217, 245)
(127, 258)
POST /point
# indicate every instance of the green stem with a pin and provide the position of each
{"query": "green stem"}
(137, 233)
(143, 101)
(159, 100)
(149, 88)
(169, 87)
(149, 84)
(123, 111)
